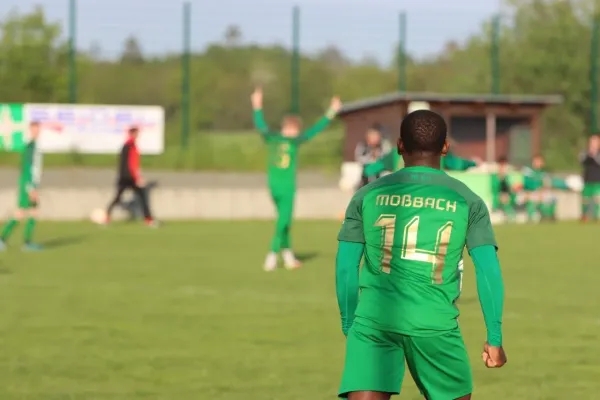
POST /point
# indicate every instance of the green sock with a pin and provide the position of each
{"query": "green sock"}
(29, 226)
(509, 211)
(531, 210)
(8, 229)
(585, 207)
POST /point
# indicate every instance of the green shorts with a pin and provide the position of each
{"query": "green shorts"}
(24, 201)
(375, 362)
(591, 190)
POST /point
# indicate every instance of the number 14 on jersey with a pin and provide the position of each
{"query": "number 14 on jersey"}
(409, 250)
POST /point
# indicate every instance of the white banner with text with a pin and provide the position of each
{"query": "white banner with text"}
(96, 129)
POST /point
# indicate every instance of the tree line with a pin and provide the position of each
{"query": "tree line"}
(544, 49)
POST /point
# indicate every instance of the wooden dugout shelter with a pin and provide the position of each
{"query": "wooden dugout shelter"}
(484, 126)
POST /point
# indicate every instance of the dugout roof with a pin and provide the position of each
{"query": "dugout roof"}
(482, 125)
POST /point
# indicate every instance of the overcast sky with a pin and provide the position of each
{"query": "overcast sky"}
(361, 28)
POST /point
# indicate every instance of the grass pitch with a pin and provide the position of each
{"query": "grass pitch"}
(185, 312)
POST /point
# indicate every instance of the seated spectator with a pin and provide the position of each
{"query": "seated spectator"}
(371, 149)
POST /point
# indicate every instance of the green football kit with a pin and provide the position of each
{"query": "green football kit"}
(538, 185)
(392, 161)
(29, 180)
(29, 177)
(411, 228)
(281, 172)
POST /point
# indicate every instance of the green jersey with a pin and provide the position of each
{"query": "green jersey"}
(283, 151)
(535, 179)
(415, 224)
(31, 166)
(394, 162)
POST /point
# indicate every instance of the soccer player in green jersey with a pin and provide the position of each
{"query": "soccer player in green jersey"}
(29, 180)
(534, 181)
(411, 227)
(281, 170)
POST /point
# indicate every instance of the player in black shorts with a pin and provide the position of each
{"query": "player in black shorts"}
(130, 177)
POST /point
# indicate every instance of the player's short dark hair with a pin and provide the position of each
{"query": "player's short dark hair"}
(34, 124)
(423, 131)
(502, 160)
(133, 130)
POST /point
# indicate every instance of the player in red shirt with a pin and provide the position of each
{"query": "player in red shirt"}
(130, 177)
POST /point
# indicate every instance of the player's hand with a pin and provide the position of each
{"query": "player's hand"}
(492, 356)
(478, 161)
(257, 98)
(140, 182)
(33, 195)
(335, 105)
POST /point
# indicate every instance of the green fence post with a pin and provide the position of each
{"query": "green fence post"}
(185, 74)
(402, 57)
(72, 51)
(495, 55)
(295, 66)
(594, 74)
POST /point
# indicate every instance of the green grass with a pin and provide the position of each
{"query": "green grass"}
(243, 151)
(185, 312)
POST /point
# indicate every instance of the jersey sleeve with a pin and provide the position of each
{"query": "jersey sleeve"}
(479, 229)
(317, 128)
(455, 163)
(259, 122)
(352, 227)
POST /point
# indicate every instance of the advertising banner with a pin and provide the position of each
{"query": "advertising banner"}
(96, 129)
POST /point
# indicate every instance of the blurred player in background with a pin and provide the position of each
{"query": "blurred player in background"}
(130, 177)
(281, 170)
(590, 160)
(28, 199)
(411, 227)
(503, 190)
(371, 149)
(534, 181)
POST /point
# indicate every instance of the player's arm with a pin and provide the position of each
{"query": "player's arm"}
(133, 164)
(455, 163)
(482, 248)
(350, 251)
(385, 163)
(257, 112)
(323, 122)
(347, 264)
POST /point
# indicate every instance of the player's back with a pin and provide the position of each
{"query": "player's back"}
(415, 224)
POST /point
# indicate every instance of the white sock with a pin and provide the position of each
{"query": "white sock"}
(288, 256)
(271, 261)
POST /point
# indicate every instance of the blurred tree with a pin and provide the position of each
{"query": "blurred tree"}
(132, 52)
(33, 59)
(544, 48)
(232, 36)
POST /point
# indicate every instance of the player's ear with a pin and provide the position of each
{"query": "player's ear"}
(400, 145)
(445, 148)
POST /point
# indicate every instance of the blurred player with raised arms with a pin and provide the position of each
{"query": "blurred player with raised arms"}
(281, 170)
(411, 227)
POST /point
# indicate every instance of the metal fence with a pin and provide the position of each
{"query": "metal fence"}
(199, 60)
